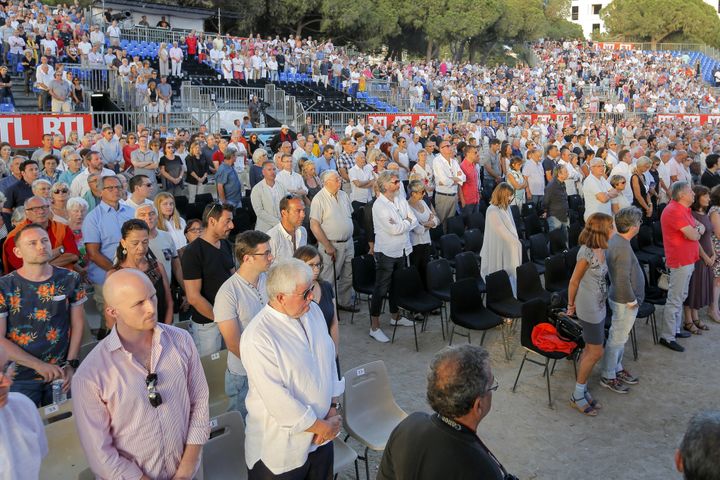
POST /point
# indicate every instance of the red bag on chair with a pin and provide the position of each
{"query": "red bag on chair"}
(545, 337)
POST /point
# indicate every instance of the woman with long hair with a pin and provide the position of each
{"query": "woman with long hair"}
(502, 249)
(134, 252)
(169, 219)
(587, 297)
(702, 278)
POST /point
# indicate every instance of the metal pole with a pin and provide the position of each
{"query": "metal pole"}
(219, 27)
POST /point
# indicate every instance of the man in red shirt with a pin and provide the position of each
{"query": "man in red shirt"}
(470, 190)
(64, 248)
(680, 234)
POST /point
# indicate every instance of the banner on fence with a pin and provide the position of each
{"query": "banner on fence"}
(700, 119)
(386, 119)
(26, 131)
(564, 118)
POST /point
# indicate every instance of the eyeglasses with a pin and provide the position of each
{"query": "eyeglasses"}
(305, 295)
(8, 372)
(317, 266)
(153, 395)
(61, 190)
(266, 254)
(38, 209)
(493, 387)
(147, 184)
(113, 187)
(195, 230)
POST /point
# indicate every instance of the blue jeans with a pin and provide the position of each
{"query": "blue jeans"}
(39, 391)
(623, 319)
(236, 388)
(207, 338)
(677, 293)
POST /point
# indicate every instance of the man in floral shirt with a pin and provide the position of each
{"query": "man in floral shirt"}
(41, 317)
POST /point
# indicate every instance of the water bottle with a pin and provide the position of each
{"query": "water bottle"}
(57, 392)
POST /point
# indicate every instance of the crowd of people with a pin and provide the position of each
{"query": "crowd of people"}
(264, 268)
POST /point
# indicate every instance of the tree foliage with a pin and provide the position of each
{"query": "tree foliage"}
(655, 20)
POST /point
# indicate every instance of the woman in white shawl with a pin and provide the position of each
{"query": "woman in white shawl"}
(502, 249)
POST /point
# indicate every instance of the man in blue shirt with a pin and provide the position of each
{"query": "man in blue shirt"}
(228, 184)
(326, 161)
(14, 176)
(101, 233)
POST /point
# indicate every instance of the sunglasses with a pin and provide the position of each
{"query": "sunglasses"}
(305, 295)
(61, 190)
(153, 395)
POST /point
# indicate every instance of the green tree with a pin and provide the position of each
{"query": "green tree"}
(655, 20)
(521, 20)
(365, 23)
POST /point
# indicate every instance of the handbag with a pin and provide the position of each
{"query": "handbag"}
(663, 279)
(568, 329)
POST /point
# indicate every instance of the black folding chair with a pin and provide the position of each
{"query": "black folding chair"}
(467, 312)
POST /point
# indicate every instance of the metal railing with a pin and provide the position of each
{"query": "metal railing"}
(141, 33)
(130, 119)
(225, 97)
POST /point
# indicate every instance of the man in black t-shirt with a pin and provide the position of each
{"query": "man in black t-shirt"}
(206, 263)
(445, 444)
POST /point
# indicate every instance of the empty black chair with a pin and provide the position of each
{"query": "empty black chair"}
(468, 266)
(456, 225)
(571, 260)
(529, 286)
(517, 218)
(574, 233)
(533, 225)
(539, 250)
(410, 295)
(438, 281)
(474, 241)
(363, 279)
(499, 299)
(450, 246)
(645, 241)
(647, 311)
(476, 220)
(203, 198)
(534, 312)
(657, 233)
(181, 203)
(558, 241)
(556, 275)
(467, 312)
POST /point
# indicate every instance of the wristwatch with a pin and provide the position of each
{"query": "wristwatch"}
(61, 249)
(74, 363)
(336, 405)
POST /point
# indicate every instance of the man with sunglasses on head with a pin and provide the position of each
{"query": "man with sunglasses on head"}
(293, 400)
(239, 299)
(206, 263)
(23, 444)
(141, 397)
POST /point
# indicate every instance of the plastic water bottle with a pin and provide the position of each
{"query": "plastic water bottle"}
(57, 392)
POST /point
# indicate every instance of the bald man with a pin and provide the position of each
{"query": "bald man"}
(141, 398)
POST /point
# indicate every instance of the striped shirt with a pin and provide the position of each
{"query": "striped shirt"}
(122, 434)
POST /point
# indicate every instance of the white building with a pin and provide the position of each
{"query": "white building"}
(586, 13)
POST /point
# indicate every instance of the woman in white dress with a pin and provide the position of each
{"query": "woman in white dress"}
(401, 157)
(163, 60)
(502, 249)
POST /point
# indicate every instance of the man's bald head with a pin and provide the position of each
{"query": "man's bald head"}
(130, 299)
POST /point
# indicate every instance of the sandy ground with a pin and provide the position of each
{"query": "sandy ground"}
(634, 437)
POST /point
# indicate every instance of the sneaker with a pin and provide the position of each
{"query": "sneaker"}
(379, 336)
(401, 322)
(627, 377)
(614, 384)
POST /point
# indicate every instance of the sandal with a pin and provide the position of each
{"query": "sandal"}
(690, 327)
(593, 403)
(587, 410)
(700, 325)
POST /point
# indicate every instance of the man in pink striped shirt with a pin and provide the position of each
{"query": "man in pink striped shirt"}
(140, 398)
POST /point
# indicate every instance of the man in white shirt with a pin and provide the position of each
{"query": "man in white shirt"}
(362, 180)
(93, 164)
(176, 59)
(535, 174)
(238, 300)
(23, 445)
(331, 223)
(597, 191)
(288, 235)
(140, 188)
(292, 181)
(448, 177)
(265, 198)
(664, 174)
(293, 399)
(622, 168)
(393, 220)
